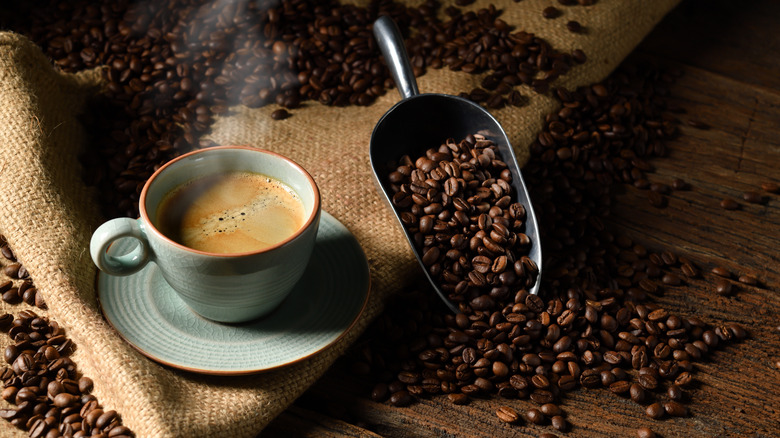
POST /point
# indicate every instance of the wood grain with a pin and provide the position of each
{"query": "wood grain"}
(730, 56)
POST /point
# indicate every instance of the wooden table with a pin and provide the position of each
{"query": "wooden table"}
(730, 54)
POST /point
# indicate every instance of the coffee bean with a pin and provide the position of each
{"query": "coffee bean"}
(698, 124)
(723, 287)
(645, 432)
(507, 414)
(637, 393)
(401, 399)
(458, 398)
(721, 272)
(280, 114)
(655, 410)
(551, 12)
(729, 204)
(748, 280)
(380, 392)
(674, 392)
(770, 187)
(753, 197)
(574, 26)
(675, 409)
(550, 410)
(679, 184)
(12, 270)
(6, 251)
(535, 416)
(559, 423)
(689, 270)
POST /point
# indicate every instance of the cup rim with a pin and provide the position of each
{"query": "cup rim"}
(310, 220)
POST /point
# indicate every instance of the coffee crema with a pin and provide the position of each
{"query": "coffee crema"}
(229, 213)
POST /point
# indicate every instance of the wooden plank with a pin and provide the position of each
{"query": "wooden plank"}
(735, 38)
(303, 423)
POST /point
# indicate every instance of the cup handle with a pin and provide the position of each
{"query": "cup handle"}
(109, 233)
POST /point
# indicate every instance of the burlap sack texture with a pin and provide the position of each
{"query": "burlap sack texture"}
(48, 215)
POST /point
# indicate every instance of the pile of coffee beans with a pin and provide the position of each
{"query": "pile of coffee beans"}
(171, 66)
(26, 291)
(594, 324)
(457, 202)
(48, 396)
(50, 399)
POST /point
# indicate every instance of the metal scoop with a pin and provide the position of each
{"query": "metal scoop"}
(423, 121)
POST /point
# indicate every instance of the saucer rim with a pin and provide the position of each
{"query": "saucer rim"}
(216, 372)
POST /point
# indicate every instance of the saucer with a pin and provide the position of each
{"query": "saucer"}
(325, 303)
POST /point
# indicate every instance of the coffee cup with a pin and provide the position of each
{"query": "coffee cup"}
(230, 228)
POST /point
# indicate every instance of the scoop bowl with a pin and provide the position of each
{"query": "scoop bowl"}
(421, 121)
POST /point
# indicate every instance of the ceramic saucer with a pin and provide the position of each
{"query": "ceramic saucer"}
(324, 304)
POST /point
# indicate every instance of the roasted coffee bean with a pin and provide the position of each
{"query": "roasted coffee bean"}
(655, 410)
(458, 398)
(679, 184)
(507, 414)
(723, 287)
(674, 392)
(698, 124)
(675, 409)
(770, 187)
(645, 432)
(399, 399)
(559, 423)
(551, 12)
(574, 26)
(12, 270)
(550, 410)
(753, 197)
(535, 416)
(748, 280)
(729, 204)
(280, 114)
(721, 272)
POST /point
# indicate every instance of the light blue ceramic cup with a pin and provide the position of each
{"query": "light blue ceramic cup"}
(221, 287)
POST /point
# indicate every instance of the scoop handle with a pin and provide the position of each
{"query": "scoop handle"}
(391, 44)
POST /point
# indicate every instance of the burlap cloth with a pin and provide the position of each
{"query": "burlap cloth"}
(48, 214)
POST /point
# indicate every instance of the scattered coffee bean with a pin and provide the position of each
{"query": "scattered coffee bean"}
(748, 280)
(770, 187)
(753, 197)
(675, 409)
(507, 414)
(729, 204)
(280, 114)
(574, 26)
(674, 392)
(720, 271)
(551, 12)
(535, 416)
(723, 287)
(698, 124)
(655, 410)
(401, 399)
(645, 432)
(679, 184)
(559, 423)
